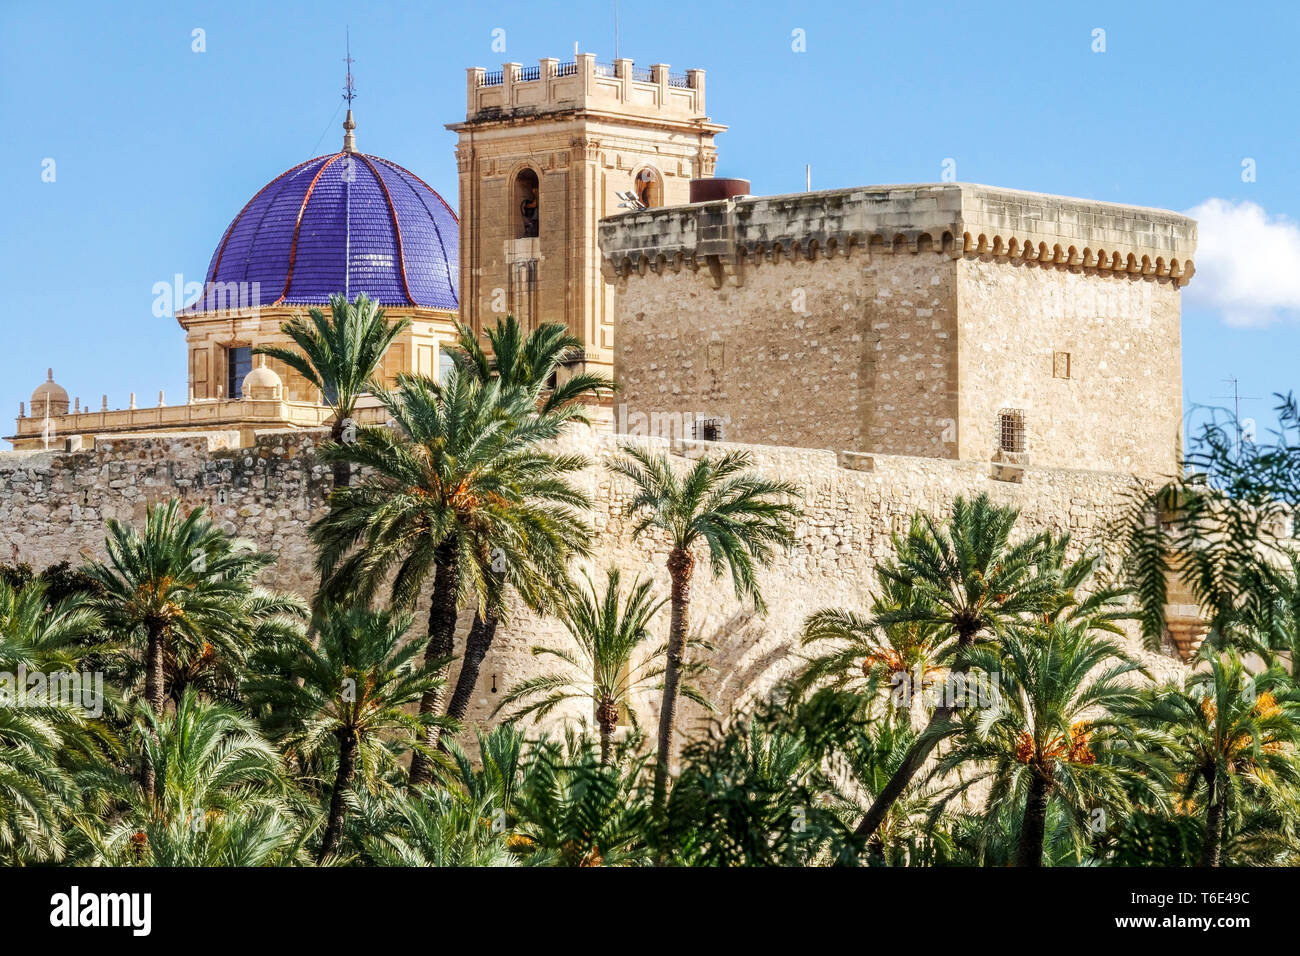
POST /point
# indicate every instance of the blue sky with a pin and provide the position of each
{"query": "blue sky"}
(156, 147)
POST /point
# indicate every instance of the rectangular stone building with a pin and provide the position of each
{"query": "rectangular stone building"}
(945, 320)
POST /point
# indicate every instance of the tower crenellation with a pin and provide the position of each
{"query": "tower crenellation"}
(584, 83)
(544, 153)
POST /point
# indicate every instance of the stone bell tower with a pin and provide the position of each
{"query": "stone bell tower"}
(543, 153)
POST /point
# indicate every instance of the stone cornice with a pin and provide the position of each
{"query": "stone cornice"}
(960, 220)
(270, 316)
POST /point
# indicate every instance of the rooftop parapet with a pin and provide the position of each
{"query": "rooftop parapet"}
(582, 83)
(37, 432)
(956, 219)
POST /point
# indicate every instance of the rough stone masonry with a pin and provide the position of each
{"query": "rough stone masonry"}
(53, 506)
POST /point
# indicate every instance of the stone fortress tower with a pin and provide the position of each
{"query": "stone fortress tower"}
(543, 152)
(949, 320)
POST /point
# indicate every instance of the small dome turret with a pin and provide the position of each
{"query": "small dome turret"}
(49, 397)
(262, 382)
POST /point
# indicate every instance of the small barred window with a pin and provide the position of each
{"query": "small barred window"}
(1011, 430)
(708, 429)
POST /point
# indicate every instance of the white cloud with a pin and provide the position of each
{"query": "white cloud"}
(1247, 263)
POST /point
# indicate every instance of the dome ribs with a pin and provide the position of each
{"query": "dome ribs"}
(397, 228)
(293, 248)
(325, 227)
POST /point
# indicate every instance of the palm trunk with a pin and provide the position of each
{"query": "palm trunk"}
(1212, 844)
(606, 745)
(916, 757)
(155, 694)
(681, 564)
(342, 469)
(1033, 828)
(477, 644)
(442, 637)
(342, 781)
(155, 690)
(607, 719)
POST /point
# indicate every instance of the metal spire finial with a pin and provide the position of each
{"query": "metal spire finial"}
(349, 94)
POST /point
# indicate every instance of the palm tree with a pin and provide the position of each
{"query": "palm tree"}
(609, 631)
(1051, 730)
(859, 653)
(349, 695)
(1228, 735)
(36, 788)
(736, 513)
(574, 810)
(440, 828)
(967, 579)
(339, 355)
(182, 581)
(530, 363)
(460, 470)
(220, 799)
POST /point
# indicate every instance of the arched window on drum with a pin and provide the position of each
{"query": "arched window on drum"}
(648, 188)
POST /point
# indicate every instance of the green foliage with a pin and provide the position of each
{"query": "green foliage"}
(1157, 839)
(338, 353)
(574, 810)
(460, 468)
(221, 797)
(741, 516)
(228, 737)
(757, 792)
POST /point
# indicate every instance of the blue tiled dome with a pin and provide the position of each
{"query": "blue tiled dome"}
(346, 223)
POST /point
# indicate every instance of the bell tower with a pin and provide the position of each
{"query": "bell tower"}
(543, 154)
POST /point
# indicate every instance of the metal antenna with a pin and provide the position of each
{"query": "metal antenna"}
(1237, 399)
(616, 29)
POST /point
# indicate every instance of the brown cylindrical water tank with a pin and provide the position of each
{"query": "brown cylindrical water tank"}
(708, 190)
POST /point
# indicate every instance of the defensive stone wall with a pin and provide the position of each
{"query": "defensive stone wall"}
(53, 507)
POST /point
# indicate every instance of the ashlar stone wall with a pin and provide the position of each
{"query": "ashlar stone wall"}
(908, 319)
